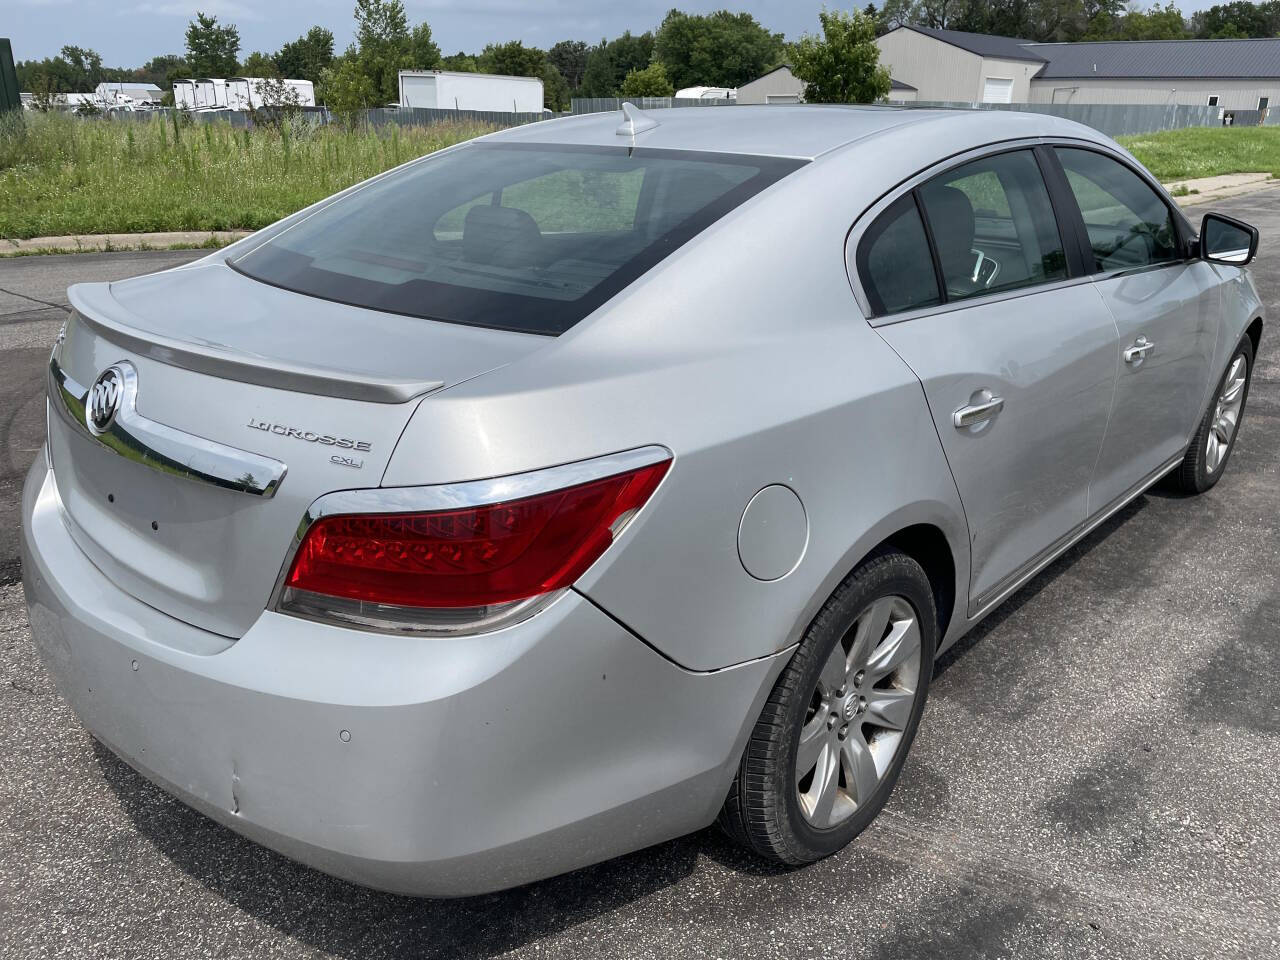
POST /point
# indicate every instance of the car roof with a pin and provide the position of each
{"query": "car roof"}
(800, 131)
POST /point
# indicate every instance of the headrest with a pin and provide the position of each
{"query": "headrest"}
(500, 236)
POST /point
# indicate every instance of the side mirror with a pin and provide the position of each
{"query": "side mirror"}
(1227, 240)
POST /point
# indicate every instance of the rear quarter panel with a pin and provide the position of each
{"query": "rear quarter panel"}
(746, 354)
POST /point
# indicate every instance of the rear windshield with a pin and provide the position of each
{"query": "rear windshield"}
(514, 237)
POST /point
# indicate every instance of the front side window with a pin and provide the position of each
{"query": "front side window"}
(993, 226)
(529, 238)
(1128, 223)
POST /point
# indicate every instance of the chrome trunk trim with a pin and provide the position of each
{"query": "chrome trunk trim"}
(161, 447)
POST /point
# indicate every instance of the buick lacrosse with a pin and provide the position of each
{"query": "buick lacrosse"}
(570, 489)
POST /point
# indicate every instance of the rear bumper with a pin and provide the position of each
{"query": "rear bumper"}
(428, 766)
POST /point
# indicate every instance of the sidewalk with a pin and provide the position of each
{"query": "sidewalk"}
(173, 240)
(1208, 189)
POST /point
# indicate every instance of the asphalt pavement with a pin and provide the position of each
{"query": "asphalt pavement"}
(1098, 773)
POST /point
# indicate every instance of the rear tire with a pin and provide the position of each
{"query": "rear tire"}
(847, 708)
(1206, 458)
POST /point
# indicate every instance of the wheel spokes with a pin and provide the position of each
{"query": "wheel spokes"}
(813, 738)
(896, 649)
(889, 708)
(826, 783)
(860, 772)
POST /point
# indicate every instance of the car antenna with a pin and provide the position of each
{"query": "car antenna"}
(634, 121)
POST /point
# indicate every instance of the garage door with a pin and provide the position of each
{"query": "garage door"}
(997, 90)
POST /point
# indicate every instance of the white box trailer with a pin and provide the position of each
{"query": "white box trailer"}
(447, 90)
(210, 93)
(184, 94)
(247, 93)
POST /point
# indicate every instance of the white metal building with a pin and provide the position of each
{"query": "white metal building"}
(975, 68)
(449, 90)
(126, 91)
(780, 85)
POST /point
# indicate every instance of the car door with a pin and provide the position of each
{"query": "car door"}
(967, 277)
(1166, 308)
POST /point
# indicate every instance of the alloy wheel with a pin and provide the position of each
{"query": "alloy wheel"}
(1226, 416)
(858, 712)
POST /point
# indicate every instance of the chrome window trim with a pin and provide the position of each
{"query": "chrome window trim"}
(869, 215)
(160, 446)
(453, 496)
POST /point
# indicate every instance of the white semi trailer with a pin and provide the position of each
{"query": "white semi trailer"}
(447, 90)
(251, 93)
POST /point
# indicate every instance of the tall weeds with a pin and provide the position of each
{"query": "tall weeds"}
(61, 174)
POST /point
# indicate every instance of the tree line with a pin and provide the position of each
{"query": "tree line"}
(717, 49)
(1049, 21)
(720, 49)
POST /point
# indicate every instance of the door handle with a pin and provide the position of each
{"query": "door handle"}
(1139, 350)
(975, 413)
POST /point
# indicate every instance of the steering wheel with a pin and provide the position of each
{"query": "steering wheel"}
(985, 269)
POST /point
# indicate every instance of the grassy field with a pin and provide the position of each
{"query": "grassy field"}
(1207, 151)
(62, 175)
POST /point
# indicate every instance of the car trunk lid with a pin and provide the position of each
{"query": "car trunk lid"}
(230, 381)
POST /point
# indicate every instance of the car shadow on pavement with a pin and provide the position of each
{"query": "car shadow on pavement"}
(351, 921)
(1030, 590)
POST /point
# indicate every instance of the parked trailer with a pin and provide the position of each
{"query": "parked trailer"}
(184, 94)
(252, 93)
(210, 93)
(447, 90)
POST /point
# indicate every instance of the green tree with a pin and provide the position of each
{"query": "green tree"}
(599, 77)
(424, 53)
(569, 57)
(843, 65)
(1238, 19)
(720, 49)
(259, 65)
(512, 59)
(1158, 23)
(650, 82)
(555, 90)
(212, 50)
(307, 57)
(382, 45)
(460, 63)
(163, 69)
(86, 66)
(346, 88)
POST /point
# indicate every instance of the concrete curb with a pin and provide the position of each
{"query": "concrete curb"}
(1209, 189)
(97, 242)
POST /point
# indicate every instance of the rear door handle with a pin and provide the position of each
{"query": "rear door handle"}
(976, 413)
(1139, 350)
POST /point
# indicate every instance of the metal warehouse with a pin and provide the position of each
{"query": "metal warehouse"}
(971, 67)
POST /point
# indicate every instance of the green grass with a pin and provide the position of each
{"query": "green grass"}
(1207, 151)
(63, 175)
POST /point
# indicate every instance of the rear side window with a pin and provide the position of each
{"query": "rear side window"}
(894, 261)
(1128, 223)
(509, 236)
(993, 226)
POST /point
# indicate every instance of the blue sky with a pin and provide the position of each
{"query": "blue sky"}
(128, 32)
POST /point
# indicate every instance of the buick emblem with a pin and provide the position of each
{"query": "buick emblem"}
(105, 398)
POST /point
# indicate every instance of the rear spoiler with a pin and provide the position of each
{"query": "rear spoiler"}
(101, 312)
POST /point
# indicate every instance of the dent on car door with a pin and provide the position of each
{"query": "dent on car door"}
(1166, 308)
(972, 285)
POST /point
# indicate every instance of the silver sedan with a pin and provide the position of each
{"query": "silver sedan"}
(568, 490)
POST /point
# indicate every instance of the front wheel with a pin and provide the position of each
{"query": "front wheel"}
(826, 752)
(1211, 447)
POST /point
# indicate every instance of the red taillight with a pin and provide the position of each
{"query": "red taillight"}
(474, 557)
